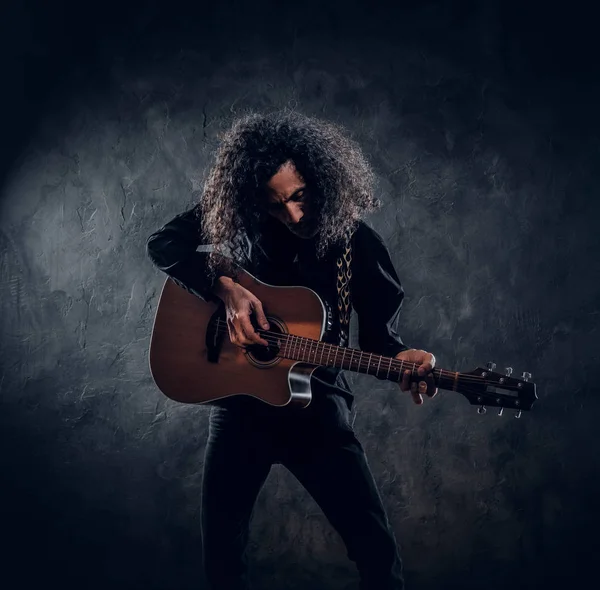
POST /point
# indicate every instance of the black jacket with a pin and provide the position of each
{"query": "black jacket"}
(280, 258)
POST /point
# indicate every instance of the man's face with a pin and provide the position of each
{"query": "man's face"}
(289, 201)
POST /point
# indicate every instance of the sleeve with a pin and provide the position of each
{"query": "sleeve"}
(377, 294)
(172, 249)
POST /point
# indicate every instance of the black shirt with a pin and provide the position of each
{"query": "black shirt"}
(281, 258)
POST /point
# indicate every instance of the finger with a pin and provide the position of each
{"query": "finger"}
(427, 364)
(249, 333)
(239, 332)
(417, 398)
(232, 334)
(236, 335)
(239, 336)
(431, 388)
(261, 318)
(414, 391)
(405, 384)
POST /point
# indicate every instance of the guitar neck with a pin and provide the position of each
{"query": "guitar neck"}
(359, 361)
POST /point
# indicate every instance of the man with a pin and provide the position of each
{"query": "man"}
(282, 195)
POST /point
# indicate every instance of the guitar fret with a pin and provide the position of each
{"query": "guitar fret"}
(378, 365)
(400, 370)
(389, 369)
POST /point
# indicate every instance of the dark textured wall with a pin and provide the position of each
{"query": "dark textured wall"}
(480, 120)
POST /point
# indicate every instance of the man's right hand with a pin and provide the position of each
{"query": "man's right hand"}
(239, 306)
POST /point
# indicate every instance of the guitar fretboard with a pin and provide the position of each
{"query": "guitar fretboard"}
(358, 361)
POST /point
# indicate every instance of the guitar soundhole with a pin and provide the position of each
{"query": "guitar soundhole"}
(263, 356)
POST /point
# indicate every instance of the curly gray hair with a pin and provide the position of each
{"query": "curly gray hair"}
(333, 166)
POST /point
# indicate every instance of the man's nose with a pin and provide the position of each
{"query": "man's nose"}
(294, 214)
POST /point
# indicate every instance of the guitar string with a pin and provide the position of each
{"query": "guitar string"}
(275, 338)
(396, 366)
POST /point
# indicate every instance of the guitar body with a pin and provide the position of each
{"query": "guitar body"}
(192, 359)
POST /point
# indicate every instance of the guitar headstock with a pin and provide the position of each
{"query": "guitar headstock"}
(484, 387)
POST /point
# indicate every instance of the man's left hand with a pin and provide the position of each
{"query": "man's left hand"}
(426, 362)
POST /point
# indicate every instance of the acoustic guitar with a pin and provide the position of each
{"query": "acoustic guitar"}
(192, 359)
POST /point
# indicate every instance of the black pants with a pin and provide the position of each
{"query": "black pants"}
(317, 444)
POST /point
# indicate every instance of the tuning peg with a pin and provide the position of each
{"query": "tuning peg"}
(508, 371)
(500, 411)
(491, 365)
(481, 410)
(518, 414)
(526, 376)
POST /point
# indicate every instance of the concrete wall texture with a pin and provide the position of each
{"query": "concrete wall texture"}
(483, 134)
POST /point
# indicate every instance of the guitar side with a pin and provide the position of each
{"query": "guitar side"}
(180, 358)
